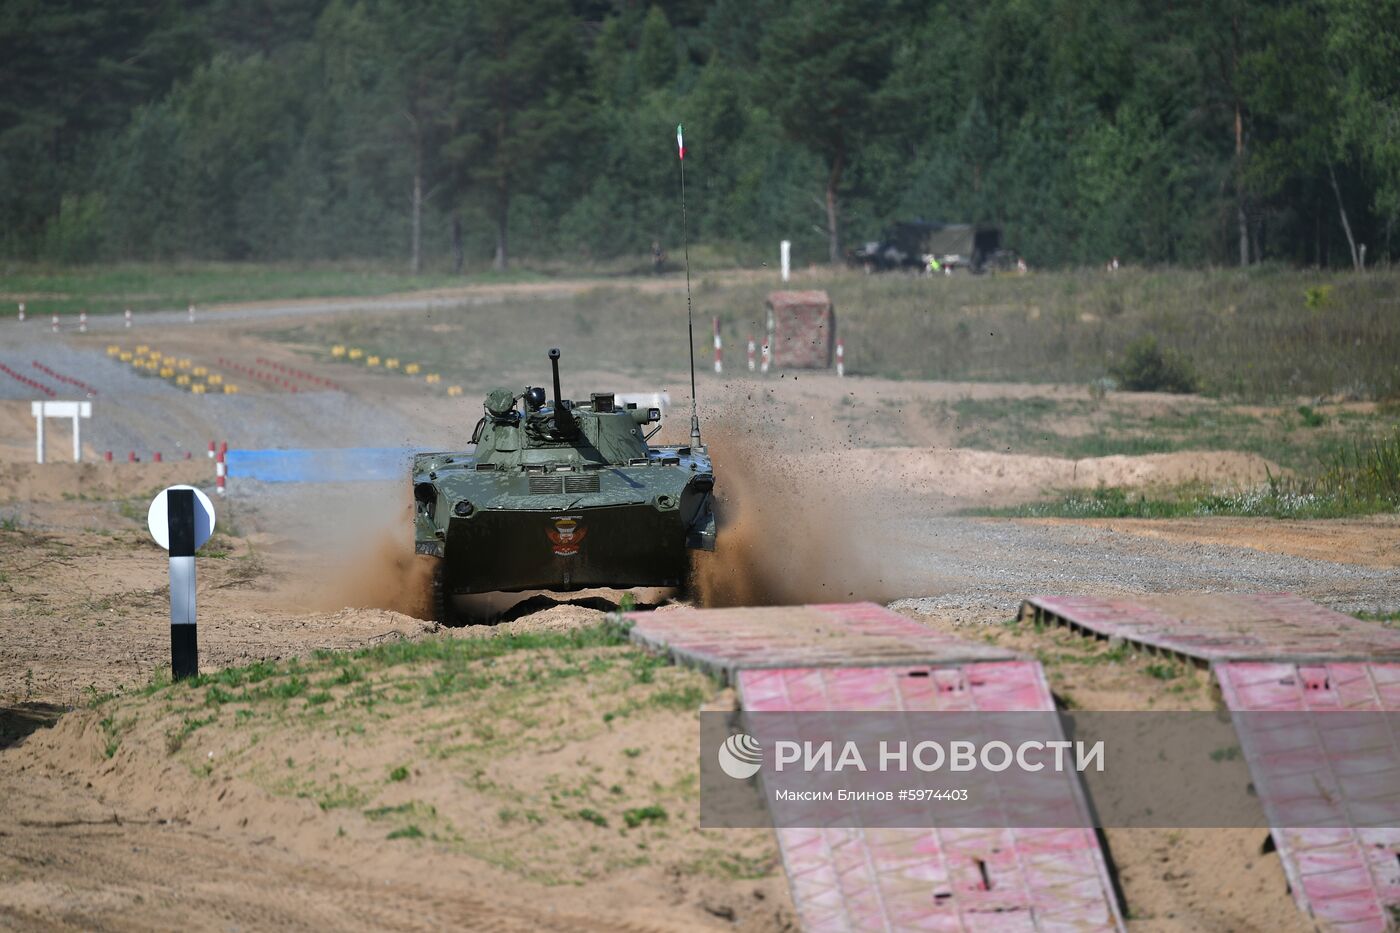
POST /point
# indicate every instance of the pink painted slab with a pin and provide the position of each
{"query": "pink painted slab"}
(831, 635)
(1222, 626)
(964, 880)
(1349, 879)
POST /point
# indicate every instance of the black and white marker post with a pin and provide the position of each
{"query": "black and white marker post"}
(181, 519)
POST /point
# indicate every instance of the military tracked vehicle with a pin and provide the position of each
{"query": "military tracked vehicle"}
(558, 495)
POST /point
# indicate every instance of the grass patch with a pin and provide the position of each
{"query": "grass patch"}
(638, 816)
(1307, 441)
(1362, 480)
(175, 738)
(1391, 617)
(411, 831)
(111, 288)
(589, 815)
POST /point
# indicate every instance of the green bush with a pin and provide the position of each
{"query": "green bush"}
(1146, 367)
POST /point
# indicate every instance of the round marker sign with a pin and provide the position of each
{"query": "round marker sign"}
(159, 524)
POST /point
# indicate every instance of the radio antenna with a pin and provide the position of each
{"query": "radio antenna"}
(689, 314)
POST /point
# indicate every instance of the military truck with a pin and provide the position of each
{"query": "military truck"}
(908, 245)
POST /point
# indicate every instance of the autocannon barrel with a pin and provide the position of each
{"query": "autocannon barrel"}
(563, 418)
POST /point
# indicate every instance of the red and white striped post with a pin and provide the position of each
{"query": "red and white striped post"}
(191, 314)
(126, 322)
(55, 323)
(753, 349)
(211, 450)
(840, 357)
(767, 357)
(220, 470)
(21, 311)
(156, 458)
(719, 350)
(82, 322)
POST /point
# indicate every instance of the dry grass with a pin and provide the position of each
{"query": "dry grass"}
(1261, 334)
(1258, 334)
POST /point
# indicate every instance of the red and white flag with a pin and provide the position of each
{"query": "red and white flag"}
(680, 141)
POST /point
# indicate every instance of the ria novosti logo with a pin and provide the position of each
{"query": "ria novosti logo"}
(740, 756)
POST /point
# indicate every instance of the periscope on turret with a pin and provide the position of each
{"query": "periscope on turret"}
(558, 495)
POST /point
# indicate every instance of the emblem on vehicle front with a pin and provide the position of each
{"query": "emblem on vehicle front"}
(567, 534)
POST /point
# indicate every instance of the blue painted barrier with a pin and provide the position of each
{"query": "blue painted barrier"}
(331, 465)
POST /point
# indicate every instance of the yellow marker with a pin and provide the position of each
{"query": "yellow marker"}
(230, 389)
(182, 364)
(153, 364)
(355, 353)
(371, 361)
(166, 372)
(411, 369)
(215, 379)
(197, 388)
(432, 379)
(454, 390)
(113, 349)
(391, 363)
(182, 380)
(337, 351)
(143, 349)
(200, 371)
(168, 360)
(125, 357)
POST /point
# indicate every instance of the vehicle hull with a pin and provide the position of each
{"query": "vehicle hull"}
(616, 546)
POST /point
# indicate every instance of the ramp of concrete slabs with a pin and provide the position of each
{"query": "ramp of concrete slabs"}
(1222, 626)
(934, 879)
(1349, 879)
(723, 641)
(864, 657)
(1279, 652)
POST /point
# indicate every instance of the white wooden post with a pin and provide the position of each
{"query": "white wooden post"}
(45, 410)
(786, 252)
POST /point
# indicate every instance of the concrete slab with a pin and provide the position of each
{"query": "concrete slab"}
(848, 635)
(1348, 879)
(999, 879)
(1204, 627)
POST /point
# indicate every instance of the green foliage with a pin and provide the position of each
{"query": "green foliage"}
(1311, 418)
(303, 131)
(1362, 479)
(1146, 367)
(589, 815)
(648, 814)
(1316, 297)
(399, 774)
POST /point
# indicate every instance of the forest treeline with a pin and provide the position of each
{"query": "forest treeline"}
(1190, 131)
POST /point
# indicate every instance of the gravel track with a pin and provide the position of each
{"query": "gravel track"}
(970, 569)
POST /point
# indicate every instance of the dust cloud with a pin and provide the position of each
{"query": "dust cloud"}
(793, 527)
(790, 530)
(386, 574)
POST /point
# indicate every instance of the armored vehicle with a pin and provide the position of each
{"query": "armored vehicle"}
(910, 244)
(557, 495)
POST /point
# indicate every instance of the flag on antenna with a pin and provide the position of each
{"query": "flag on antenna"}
(680, 141)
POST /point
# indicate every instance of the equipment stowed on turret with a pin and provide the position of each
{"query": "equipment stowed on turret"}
(561, 496)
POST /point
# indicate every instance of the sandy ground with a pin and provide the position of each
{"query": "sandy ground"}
(148, 839)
